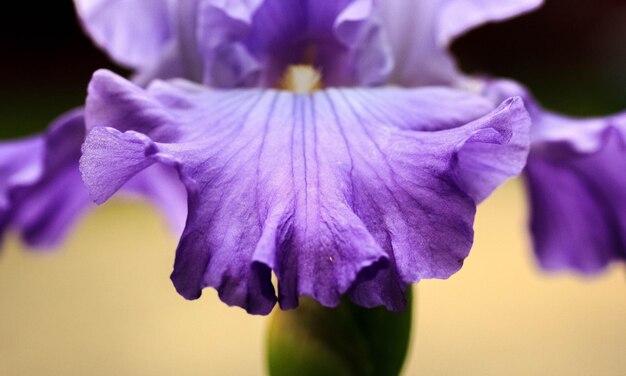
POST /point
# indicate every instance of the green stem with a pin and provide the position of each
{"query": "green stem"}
(347, 340)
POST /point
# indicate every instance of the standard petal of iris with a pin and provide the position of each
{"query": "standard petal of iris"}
(42, 194)
(374, 187)
(341, 38)
(576, 184)
(421, 31)
(134, 33)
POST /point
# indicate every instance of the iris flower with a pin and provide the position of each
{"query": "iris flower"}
(382, 191)
(295, 160)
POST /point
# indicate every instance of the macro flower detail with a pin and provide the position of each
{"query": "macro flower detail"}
(42, 195)
(250, 193)
(357, 191)
(325, 162)
(239, 43)
(239, 49)
(382, 193)
(574, 177)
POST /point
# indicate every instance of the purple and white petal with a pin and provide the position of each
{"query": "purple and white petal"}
(134, 33)
(243, 43)
(341, 191)
(577, 186)
(251, 43)
(420, 33)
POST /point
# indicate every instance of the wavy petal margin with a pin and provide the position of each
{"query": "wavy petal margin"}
(337, 192)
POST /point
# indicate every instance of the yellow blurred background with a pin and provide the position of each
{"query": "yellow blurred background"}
(104, 305)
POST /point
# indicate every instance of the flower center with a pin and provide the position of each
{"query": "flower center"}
(301, 79)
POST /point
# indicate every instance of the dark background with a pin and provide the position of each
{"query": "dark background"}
(571, 53)
(45, 64)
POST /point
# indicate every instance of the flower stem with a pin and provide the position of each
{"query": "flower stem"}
(314, 340)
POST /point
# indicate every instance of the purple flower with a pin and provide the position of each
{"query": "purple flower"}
(576, 185)
(343, 191)
(354, 191)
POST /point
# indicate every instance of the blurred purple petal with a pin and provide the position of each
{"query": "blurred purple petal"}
(578, 203)
(20, 166)
(577, 186)
(48, 204)
(133, 32)
(42, 194)
(373, 187)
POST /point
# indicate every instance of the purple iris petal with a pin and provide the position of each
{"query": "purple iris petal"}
(341, 191)
(577, 186)
(421, 31)
(44, 208)
(251, 42)
(246, 43)
(578, 202)
(20, 166)
(241, 43)
(42, 194)
(134, 33)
